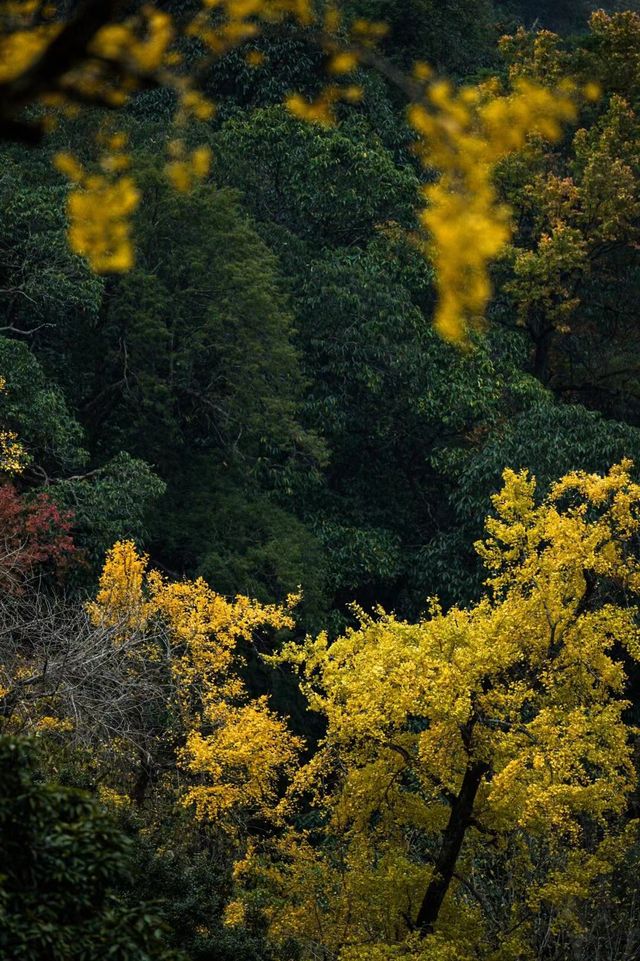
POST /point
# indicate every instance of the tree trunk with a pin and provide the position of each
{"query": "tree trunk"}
(541, 356)
(459, 821)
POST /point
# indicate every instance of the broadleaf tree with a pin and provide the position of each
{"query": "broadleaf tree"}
(477, 769)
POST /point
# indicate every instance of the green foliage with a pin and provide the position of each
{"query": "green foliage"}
(563, 15)
(107, 503)
(243, 540)
(329, 187)
(42, 284)
(195, 884)
(36, 409)
(417, 434)
(291, 61)
(62, 862)
(381, 391)
(192, 368)
(110, 503)
(452, 35)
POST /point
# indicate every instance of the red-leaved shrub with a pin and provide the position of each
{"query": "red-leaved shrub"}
(34, 533)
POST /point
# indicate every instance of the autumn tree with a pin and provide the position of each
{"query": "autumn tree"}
(477, 768)
(233, 748)
(35, 534)
(574, 254)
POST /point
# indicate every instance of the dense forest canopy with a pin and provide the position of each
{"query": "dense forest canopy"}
(319, 425)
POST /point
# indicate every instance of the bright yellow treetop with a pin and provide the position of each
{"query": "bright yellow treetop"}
(234, 749)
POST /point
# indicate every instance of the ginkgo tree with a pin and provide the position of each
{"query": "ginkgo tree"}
(477, 767)
(232, 749)
(148, 678)
(55, 64)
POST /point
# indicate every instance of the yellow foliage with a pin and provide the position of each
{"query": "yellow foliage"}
(322, 109)
(582, 201)
(120, 602)
(19, 49)
(243, 759)
(13, 456)
(234, 914)
(524, 692)
(121, 41)
(185, 172)
(464, 135)
(111, 798)
(236, 748)
(99, 208)
(50, 724)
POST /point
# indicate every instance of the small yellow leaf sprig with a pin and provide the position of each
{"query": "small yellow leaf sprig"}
(22, 41)
(100, 207)
(144, 54)
(463, 135)
(345, 48)
(20, 48)
(321, 110)
(185, 170)
(13, 456)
